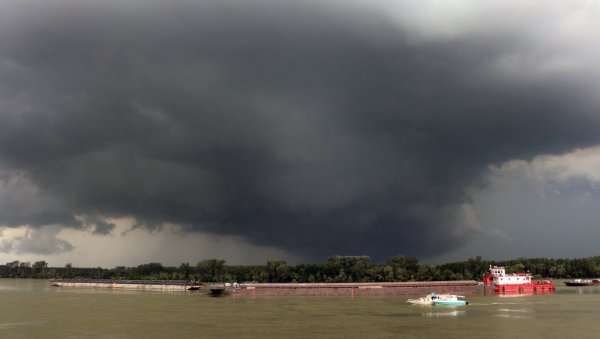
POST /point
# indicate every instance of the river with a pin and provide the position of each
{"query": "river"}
(33, 309)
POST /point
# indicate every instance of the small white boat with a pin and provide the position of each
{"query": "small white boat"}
(439, 299)
(426, 300)
(449, 300)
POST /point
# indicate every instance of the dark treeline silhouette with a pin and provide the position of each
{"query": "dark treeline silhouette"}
(336, 269)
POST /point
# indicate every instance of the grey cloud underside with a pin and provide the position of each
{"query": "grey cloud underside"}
(293, 125)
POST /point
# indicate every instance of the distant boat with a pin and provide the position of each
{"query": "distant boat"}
(426, 300)
(439, 299)
(215, 291)
(583, 282)
(223, 289)
(449, 300)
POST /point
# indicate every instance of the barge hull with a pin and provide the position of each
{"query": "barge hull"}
(291, 289)
(357, 289)
(127, 285)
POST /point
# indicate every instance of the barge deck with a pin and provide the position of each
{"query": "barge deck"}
(151, 285)
(285, 289)
(358, 289)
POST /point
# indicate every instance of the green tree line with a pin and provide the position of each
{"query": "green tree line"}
(336, 269)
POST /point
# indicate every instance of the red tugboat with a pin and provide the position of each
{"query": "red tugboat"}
(515, 282)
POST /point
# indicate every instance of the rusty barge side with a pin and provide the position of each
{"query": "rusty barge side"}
(149, 285)
(286, 289)
(358, 289)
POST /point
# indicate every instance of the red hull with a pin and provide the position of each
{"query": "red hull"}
(516, 282)
(524, 293)
(535, 286)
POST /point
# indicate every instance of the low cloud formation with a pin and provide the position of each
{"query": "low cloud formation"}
(544, 207)
(317, 128)
(42, 240)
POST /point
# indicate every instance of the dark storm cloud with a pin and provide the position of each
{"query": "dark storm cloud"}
(317, 128)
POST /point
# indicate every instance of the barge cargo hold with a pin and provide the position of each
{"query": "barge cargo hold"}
(357, 289)
(287, 289)
(149, 285)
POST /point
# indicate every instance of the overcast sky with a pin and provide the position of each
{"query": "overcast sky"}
(172, 131)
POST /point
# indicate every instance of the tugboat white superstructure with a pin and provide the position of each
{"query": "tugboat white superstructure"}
(515, 282)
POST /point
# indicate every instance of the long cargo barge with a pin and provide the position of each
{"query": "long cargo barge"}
(283, 289)
(357, 289)
(150, 285)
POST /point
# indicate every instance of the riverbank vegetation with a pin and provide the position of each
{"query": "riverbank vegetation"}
(336, 269)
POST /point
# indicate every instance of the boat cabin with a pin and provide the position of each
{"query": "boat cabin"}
(499, 277)
(497, 271)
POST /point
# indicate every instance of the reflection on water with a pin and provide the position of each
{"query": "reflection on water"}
(23, 285)
(513, 316)
(444, 314)
(510, 294)
(586, 289)
(521, 310)
(7, 326)
(515, 313)
(8, 288)
(118, 291)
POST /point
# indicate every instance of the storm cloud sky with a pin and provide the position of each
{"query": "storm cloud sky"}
(308, 127)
